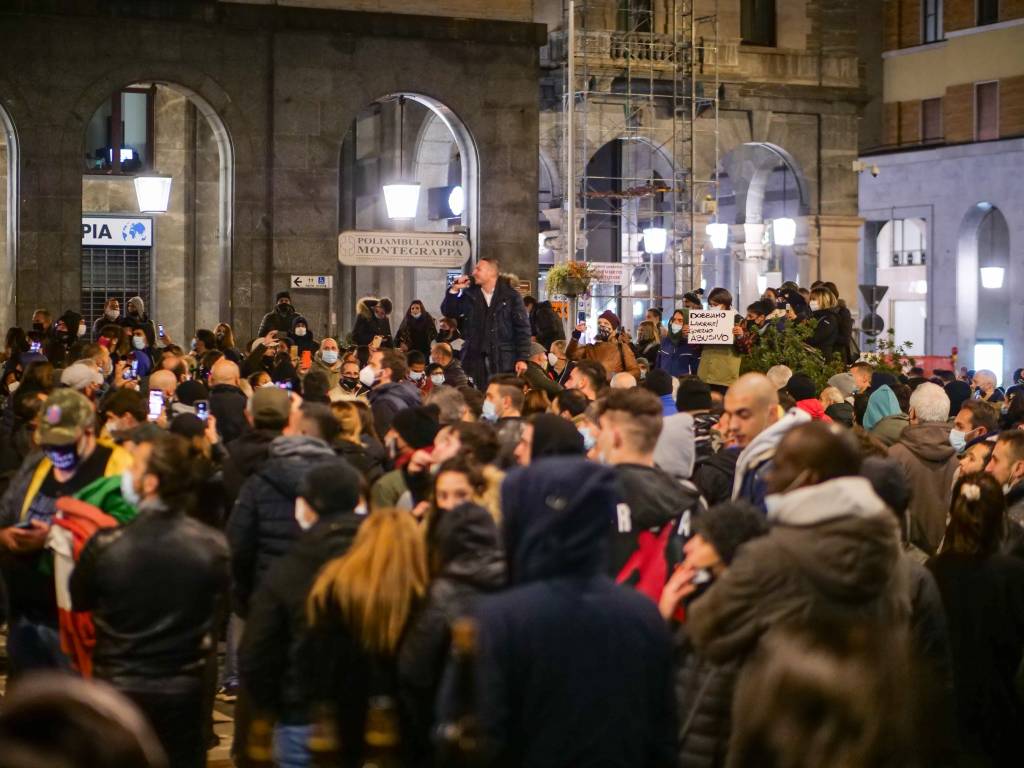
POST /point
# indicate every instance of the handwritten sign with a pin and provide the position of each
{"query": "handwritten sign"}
(710, 326)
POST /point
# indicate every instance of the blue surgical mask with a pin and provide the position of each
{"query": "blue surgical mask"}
(958, 439)
(329, 356)
(64, 457)
(128, 492)
(139, 342)
(490, 412)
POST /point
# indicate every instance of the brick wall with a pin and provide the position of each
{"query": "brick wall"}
(890, 124)
(1011, 106)
(958, 113)
(910, 122)
(1011, 9)
(910, 23)
(891, 25)
(958, 14)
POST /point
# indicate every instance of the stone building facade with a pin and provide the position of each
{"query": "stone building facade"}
(275, 90)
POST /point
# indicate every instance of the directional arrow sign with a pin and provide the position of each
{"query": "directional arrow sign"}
(312, 281)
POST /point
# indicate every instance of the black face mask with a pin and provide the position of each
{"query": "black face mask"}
(602, 335)
(37, 326)
(349, 384)
(285, 309)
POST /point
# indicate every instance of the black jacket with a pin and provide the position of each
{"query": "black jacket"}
(245, 455)
(276, 320)
(368, 327)
(276, 630)
(464, 551)
(417, 333)
(305, 343)
(826, 334)
(546, 325)
(227, 404)
(388, 399)
(370, 466)
(262, 525)
(496, 336)
(573, 670)
(714, 475)
(844, 333)
(156, 587)
(704, 696)
(454, 375)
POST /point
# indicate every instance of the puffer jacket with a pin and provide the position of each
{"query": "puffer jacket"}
(930, 463)
(276, 630)
(704, 695)
(464, 550)
(832, 553)
(262, 525)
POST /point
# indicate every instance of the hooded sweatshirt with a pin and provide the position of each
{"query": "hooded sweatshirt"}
(814, 409)
(675, 449)
(881, 403)
(753, 461)
(833, 553)
(929, 462)
(565, 653)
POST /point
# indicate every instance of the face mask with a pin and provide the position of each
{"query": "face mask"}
(64, 457)
(302, 514)
(13, 386)
(416, 313)
(82, 330)
(219, 336)
(108, 368)
(139, 342)
(329, 356)
(348, 384)
(128, 492)
(112, 314)
(552, 359)
(284, 309)
(361, 509)
(416, 375)
(1007, 487)
(813, 305)
(643, 374)
(300, 331)
(368, 376)
(958, 439)
(677, 327)
(437, 379)
(588, 439)
(602, 335)
(37, 327)
(490, 411)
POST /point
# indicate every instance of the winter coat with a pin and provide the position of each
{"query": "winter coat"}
(928, 625)
(245, 455)
(454, 375)
(417, 333)
(832, 552)
(305, 343)
(889, 430)
(277, 320)
(365, 463)
(844, 334)
(332, 372)
(929, 462)
(714, 475)
(276, 631)
(750, 478)
(674, 451)
(648, 350)
(984, 602)
(1014, 543)
(615, 356)
(676, 356)
(496, 336)
(262, 525)
(464, 549)
(156, 587)
(546, 325)
(813, 408)
(565, 653)
(826, 333)
(537, 378)
(388, 399)
(369, 325)
(704, 697)
(227, 404)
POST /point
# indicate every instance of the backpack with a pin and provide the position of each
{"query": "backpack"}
(647, 569)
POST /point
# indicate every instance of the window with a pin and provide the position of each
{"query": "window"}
(931, 120)
(757, 22)
(113, 273)
(634, 16)
(931, 14)
(119, 138)
(986, 111)
(988, 12)
(988, 355)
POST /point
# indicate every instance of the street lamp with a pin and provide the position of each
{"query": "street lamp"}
(784, 230)
(153, 193)
(719, 234)
(655, 239)
(402, 199)
(992, 277)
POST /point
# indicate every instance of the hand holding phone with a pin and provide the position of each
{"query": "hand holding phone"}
(581, 317)
(156, 404)
(160, 330)
(202, 408)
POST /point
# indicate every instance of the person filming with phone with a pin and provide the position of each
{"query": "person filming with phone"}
(610, 347)
(495, 323)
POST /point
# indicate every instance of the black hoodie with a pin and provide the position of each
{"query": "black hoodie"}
(573, 670)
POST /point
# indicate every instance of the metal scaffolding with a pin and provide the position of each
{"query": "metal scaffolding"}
(641, 117)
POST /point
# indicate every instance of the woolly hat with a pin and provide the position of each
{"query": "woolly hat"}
(801, 387)
(555, 436)
(283, 295)
(841, 413)
(693, 395)
(659, 382)
(844, 383)
(728, 525)
(417, 426)
(611, 317)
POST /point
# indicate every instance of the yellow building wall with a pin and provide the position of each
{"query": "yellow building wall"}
(504, 10)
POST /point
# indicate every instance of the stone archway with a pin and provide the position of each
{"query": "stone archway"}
(9, 176)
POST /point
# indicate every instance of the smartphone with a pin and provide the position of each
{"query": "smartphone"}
(202, 409)
(35, 346)
(156, 404)
(307, 359)
(135, 368)
(160, 330)
(129, 373)
(581, 317)
(284, 385)
(702, 576)
(25, 525)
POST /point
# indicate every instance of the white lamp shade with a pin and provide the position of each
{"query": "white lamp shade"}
(153, 193)
(992, 277)
(785, 231)
(719, 234)
(457, 201)
(402, 200)
(655, 239)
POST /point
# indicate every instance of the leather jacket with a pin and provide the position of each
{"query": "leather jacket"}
(156, 587)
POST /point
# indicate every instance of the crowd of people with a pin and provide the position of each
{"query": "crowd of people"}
(478, 541)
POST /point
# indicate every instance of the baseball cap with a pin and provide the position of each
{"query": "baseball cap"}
(270, 404)
(65, 414)
(78, 376)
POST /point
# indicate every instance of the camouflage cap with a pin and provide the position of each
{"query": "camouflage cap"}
(65, 414)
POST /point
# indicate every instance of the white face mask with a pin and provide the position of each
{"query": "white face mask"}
(82, 329)
(815, 306)
(552, 359)
(677, 327)
(112, 314)
(139, 342)
(437, 379)
(368, 376)
(416, 313)
(304, 516)
(300, 331)
(416, 375)
(13, 386)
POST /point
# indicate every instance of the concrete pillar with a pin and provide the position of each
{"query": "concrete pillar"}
(838, 248)
(749, 254)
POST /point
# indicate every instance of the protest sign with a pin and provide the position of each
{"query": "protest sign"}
(710, 326)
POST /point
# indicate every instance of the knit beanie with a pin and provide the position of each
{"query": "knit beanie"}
(801, 387)
(555, 436)
(611, 317)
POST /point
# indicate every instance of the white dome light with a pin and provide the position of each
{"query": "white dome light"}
(719, 234)
(655, 239)
(457, 201)
(992, 277)
(785, 231)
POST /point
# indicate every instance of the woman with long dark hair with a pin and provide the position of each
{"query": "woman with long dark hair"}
(417, 331)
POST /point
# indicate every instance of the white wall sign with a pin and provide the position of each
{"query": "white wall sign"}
(312, 281)
(403, 249)
(611, 272)
(710, 326)
(119, 232)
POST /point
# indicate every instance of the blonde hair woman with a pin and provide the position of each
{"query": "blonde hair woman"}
(349, 443)
(358, 610)
(824, 308)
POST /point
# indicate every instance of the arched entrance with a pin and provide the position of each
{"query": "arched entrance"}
(983, 288)
(157, 128)
(8, 220)
(415, 138)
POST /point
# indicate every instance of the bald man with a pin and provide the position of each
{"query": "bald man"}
(755, 426)
(165, 381)
(623, 380)
(227, 401)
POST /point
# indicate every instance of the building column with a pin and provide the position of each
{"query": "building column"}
(838, 249)
(749, 253)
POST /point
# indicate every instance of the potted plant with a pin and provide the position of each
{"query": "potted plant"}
(570, 278)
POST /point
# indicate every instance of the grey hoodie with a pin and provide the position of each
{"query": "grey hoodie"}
(675, 450)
